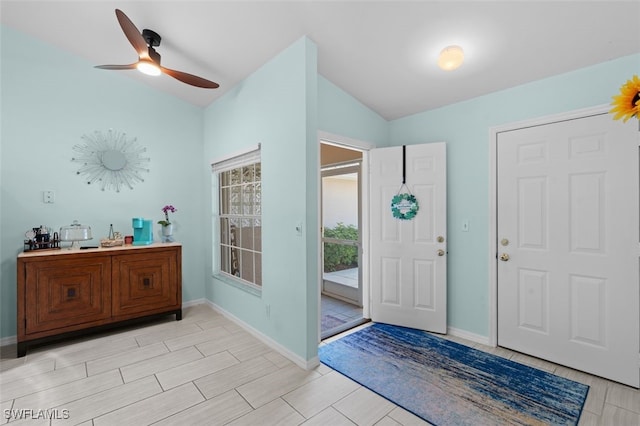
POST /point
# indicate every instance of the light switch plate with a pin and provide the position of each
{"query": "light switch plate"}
(48, 197)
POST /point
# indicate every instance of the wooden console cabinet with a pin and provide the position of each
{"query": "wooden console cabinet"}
(63, 293)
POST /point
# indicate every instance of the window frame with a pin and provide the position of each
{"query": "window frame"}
(236, 161)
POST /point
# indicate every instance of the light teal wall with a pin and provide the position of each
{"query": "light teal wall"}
(276, 107)
(50, 99)
(341, 114)
(282, 106)
(465, 127)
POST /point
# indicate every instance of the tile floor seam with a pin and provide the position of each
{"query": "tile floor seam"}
(71, 401)
(623, 409)
(121, 375)
(52, 387)
(155, 376)
(13, 403)
(241, 396)
(294, 408)
(234, 357)
(613, 404)
(125, 405)
(345, 414)
(176, 413)
(200, 390)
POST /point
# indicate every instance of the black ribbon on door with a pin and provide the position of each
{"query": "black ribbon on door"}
(404, 205)
(404, 164)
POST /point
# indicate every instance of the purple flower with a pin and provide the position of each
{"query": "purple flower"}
(166, 210)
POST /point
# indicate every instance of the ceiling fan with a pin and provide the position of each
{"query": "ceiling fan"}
(148, 58)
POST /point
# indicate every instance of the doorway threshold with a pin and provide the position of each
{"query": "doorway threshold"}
(342, 328)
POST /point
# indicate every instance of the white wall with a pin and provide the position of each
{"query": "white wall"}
(339, 200)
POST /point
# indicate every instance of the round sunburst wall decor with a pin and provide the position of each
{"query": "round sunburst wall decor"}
(111, 160)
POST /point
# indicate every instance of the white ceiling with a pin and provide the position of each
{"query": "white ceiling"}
(381, 52)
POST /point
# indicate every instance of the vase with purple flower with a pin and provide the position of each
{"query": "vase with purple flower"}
(167, 226)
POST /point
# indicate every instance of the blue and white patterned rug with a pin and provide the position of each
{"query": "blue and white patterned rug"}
(447, 383)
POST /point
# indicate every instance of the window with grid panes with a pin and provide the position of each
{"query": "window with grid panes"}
(240, 208)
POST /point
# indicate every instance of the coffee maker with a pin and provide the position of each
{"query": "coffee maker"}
(142, 231)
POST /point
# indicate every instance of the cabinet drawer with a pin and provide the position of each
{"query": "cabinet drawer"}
(60, 294)
(145, 282)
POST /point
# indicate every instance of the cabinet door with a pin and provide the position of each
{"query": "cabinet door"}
(63, 293)
(145, 282)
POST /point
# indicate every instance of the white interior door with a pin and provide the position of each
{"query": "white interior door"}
(408, 257)
(568, 237)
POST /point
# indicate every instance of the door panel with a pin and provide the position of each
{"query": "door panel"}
(408, 277)
(68, 292)
(143, 283)
(568, 222)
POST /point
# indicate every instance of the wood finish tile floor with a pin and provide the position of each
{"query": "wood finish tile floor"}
(206, 370)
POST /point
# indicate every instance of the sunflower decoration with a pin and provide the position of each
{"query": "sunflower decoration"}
(627, 103)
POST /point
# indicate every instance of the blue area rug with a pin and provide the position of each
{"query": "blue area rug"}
(447, 383)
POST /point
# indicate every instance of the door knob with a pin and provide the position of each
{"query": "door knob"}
(504, 257)
(440, 252)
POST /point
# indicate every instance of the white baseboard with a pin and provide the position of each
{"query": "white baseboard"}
(483, 340)
(191, 303)
(298, 360)
(9, 340)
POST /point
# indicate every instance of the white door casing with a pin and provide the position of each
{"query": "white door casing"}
(567, 218)
(408, 259)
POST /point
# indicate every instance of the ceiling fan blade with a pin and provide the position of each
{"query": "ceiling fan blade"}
(190, 79)
(133, 34)
(117, 67)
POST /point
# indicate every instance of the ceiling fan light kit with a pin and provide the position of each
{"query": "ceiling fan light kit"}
(148, 59)
(148, 67)
(451, 57)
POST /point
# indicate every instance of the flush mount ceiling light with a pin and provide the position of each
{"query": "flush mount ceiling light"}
(451, 58)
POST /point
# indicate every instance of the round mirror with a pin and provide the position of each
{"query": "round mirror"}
(113, 160)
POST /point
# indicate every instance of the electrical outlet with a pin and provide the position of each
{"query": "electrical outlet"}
(267, 309)
(48, 197)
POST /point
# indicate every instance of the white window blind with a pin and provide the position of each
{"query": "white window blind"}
(237, 159)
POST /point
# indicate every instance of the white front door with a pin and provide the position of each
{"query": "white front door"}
(567, 223)
(408, 257)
